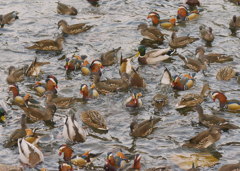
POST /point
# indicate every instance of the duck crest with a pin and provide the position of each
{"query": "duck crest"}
(154, 17)
(221, 97)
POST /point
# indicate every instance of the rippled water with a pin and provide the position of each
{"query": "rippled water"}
(115, 24)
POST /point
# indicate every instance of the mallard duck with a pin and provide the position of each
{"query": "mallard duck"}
(6, 167)
(66, 9)
(191, 99)
(206, 33)
(116, 162)
(211, 57)
(48, 45)
(72, 64)
(159, 100)
(205, 138)
(73, 29)
(18, 133)
(231, 105)
(213, 120)
(34, 68)
(144, 128)
(16, 74)
(230, 167)
(8, 18)
(184, 15)
(29, 154)
(234, 23)
(72, 130)
(109, 58)
(179, 42)
(2, 114)
(134, 100)
(89, 93)
(136, 80)
(154, 56)
(94, 119)
(226, 73)
(65, 166)
(136, 163)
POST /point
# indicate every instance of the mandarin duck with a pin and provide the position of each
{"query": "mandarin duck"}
(51, 85)
(48, 45)
(205, 138)
(136, 163)
(230, 167)
(179, 42)
(2, 115)
(109, 58)
(113, 163)
(94, 68)
(184, 15)
(65, 166)
(159, 101)
(94, 119)
(73, 29)
(91, 93)
(31, 136)
(72, 64)
(18, 133)
(16, 74)
(226, 73)
(154, 56)
(213, 120)
(66, 9)
(8, 18)
(34, 68)
(206, 33)
(191, 99)
(29, 154)
(72, 131)
(144, 128)
(165, 23)
(136, 80)
(234, 23)
(224, 103)
(134, 100)
(211, 57)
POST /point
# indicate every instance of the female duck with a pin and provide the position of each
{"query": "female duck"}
(226, 73)
(234, 23)
(206, 33)
(110, 57)
(73, 29)
(179, 42)
(66, 9)
(16, 74)
(8, 18)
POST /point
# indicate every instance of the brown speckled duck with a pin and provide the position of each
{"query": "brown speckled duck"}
(109, 58)
(226, 73)
(73, 29)
(206, 33)
(179, 42)
(66, 9)
(136, 80)
(16, 74)
(6, 167)
(8, 18)
(230, 167)
(34, 68)
(159, 100)
(234, 23)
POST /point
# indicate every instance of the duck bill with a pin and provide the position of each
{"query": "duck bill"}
(137, 54)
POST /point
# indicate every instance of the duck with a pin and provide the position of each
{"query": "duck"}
(213, 120)
(31, 136)
(168, 24)
(211, 57)
(179, 42)
(237, 2)
(3, 114)
(134, 100)
(6, 167)
(116, 162)
(204, 139)
(154, 56)
(72, 64)
(230, 167)
(34, 69)
(48, 45)
(152, 33)
(226, 73)
(206, 33)
(125, 65)
(51, 84)
(184, 15)
(8, 18)
(29, 154)
(144, 128)
(224, 103)
(136, 163)
(94, 68)
(94, 119)
(159, 101)
(109, 58)
(136, 80)
(192, 2)
(191, 99)
(65, 166)
(66, 9)
(18, 133)
(234, 24)
(73, 29)
(91, 93)
(72, 130)
(16, 74)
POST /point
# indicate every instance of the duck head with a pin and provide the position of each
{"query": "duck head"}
(67, 152)
(155, 17)
(193, 2)
(62, 23)
(84, 90)
(14, 89)
(110, 159)
(221, 98)
(51, 83)
(96, 66)
(134, 101)
(141, 50)
(2, 115)
(137, 164)
(182, 13)
(199, 50)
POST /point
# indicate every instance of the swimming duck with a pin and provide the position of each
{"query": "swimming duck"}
(211, 57)
(206, 33)
(29, 154)
(134, 100)
(2, 115)
(136, 163)
(72, 64)
(109, 58)
(116, 162)
(231, 105)
(94, 119)
(159, 100)
(94, 68)
(34, 68)
(73, 29)
(213, 120)
(184, 15)
(179, 42)
(192, 2)
(16, 74)
(230, 167)
(6, 167)
(136, 80)
(18, 133)
(144, 128)
(205, 138)
(94, 3)
(237, 2)
(65, 166)
(8, 18)
(191, 99)
(72, 130)
(66, 9)
(88, 94)
(154, 56)
(234, 23)
(31, 136)
(226, 73)
(51, 85)
(48, 45)
(125, 65)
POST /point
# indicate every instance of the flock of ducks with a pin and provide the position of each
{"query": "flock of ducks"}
(26, 139)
